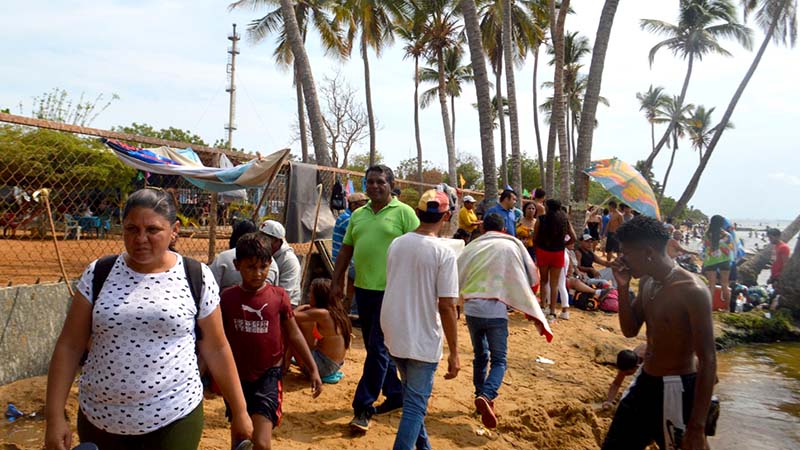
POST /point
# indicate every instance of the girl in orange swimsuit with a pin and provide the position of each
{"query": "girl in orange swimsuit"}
(327, 328)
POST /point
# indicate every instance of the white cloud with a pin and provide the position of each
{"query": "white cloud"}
(792, 180)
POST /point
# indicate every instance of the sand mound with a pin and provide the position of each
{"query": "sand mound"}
(542, 406)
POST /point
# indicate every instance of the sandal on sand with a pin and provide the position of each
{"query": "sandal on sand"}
(486, 410)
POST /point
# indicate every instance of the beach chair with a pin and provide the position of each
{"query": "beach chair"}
(71, 227)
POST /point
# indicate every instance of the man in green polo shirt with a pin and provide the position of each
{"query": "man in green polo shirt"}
(371, 230)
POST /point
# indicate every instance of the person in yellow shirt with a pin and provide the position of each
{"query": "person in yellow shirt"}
(525, 228)
(467, 219)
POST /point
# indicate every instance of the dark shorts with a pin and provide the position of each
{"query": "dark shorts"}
(264, 396)
(612, 243)
(720, 267)
(639, 419)
(182, 434)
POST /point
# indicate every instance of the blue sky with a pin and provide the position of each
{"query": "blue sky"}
(166, 60)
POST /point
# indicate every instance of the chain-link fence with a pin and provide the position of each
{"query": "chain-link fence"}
(88, 186)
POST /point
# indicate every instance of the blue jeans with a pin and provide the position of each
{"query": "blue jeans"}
(489, 342)
(379, 373)
(417, 377)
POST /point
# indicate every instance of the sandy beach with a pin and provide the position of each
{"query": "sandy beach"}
(542, 406)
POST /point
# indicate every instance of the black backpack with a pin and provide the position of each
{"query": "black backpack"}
(192, 268)
(338, 202)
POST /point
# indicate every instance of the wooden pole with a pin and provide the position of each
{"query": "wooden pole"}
(45, 195)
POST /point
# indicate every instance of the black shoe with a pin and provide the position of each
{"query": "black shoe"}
(388, 406)
(360, 422)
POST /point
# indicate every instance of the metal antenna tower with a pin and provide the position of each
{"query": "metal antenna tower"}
(231, 89)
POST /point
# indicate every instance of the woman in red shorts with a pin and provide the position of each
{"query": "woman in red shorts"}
(552, 234)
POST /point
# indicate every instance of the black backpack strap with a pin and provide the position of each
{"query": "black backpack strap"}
(194, 275)
(102, 269)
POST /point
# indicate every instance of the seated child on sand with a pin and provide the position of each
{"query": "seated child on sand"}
(327, 329)
(628, 362)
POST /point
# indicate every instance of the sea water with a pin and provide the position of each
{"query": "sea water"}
(759, 391)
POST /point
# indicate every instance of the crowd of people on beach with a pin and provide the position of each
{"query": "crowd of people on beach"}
(151, 330)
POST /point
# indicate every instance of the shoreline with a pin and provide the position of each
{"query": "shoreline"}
(543, 406)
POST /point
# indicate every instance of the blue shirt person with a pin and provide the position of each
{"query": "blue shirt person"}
(505, 208)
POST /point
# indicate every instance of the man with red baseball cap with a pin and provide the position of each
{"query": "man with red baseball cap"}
(419, 306)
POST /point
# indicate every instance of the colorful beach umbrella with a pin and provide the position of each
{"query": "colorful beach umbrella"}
(624, 182)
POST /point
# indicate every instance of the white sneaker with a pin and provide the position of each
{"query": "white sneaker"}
(564, 315)
(551, 319)
(546, 310)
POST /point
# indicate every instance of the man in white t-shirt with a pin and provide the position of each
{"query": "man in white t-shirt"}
(418, 308)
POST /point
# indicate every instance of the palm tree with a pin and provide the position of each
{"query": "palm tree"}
(295, 39)
(411, 31)
(373, 21)
(503, 101)
(575, 48)
(698, 126)
(649, 102)
(676, 113)
(454, 75)
(778, 20)
(513, 119)
(541, 20)
(478, 58)
(491, 26)
(695, 36)
(442, 32)
(306, 11)
(557, 125)
(591, 98)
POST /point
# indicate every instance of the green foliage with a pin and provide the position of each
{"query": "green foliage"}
(360, 161)
(39, 158)
(170, 134)
(469, 167)
(58, 107)
(531, 177)
(407, 170)
(5, 110)
(410, 197)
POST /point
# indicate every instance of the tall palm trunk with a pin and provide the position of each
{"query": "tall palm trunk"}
(652, 136)
(307, 79)
(498, 78)
(570, 122)
(448, 133)
(453, 117)
(516, 166)
(666, 174)
(536, 113)
(591, 98)
(648, 163)
(301, 114)
(478, 59)
(368, 92)
(559, 106)
(723, 124)
(416, 122)
(550, 174)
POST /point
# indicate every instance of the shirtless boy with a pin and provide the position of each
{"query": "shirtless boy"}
(676, 307)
